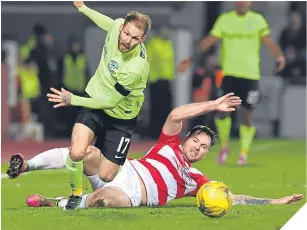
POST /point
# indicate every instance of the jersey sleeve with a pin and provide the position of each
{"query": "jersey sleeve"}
(127, 82)
(199, 178)
(217, 30)
(264, 28)
(105, 101)
(165, 139)
(102, 21)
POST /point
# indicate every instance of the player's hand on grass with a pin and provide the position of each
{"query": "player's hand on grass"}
(289, 199)
(61, 98)
(281, 62)
(184, 65)
(227, 103)
(78, 4)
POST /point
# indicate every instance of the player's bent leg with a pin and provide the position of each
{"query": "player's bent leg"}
(91, 164)
(112, 197)
(129, 182)
(92, 161)
(37, 200)
(50, 159)
(247, 133)
(108, 170)
(250, 99)
(114, 145)
(223, 125)
(108, 197)
(223, 122)
(82, 136)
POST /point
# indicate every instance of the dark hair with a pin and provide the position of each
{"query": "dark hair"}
(141, 21)
(204, 129)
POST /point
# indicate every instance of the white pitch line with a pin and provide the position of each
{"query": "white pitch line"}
(4, 175)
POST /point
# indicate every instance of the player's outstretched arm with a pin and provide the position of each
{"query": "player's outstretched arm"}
(173, 124)
(248, 200)
(102, 21)
(65, 98)
(104, 100)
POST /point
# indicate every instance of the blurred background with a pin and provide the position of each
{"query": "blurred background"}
(50, 44)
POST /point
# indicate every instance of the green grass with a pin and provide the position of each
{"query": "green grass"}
(276, 168)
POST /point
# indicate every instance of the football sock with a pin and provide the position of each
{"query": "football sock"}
(75, 175)
(223, 128)
(50, 159)
(246, 138)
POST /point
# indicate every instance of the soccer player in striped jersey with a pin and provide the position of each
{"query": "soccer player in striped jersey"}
(165, 173)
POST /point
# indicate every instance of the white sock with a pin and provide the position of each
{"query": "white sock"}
(62, 203)
(83, 201)
(51, 159)
(96, 182)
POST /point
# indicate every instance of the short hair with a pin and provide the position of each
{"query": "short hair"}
(140, 20)
(204, 129)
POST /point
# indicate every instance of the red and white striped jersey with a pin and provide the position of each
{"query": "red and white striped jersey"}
(165, 173)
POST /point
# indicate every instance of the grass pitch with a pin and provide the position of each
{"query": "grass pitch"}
(276, 168)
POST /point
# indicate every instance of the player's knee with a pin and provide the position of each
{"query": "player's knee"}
(89, 150)
(107, 176)
(77, 154)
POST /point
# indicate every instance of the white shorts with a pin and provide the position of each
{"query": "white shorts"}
(127, 180)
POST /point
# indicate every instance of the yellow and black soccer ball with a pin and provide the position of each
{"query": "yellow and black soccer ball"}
(214, 199)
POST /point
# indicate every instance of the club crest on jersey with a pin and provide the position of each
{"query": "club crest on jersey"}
(184, 171)
(113, 66)
(185, 174)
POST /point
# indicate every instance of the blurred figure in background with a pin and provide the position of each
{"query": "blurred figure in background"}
(29, 92)
(293, 43)
(295, 70)
(74, 72)
(43, 54)
(241, 32)
(294, 35)
(206, 84)
(161, 57)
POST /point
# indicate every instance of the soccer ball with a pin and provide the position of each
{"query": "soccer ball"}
(214, 199)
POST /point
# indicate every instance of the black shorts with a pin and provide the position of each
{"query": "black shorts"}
(113, 135)
(247, 90)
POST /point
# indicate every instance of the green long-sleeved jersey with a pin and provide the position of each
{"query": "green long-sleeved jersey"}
(120, 79)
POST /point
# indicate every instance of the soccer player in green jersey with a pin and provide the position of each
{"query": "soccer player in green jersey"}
(114, 97)
(241, 32)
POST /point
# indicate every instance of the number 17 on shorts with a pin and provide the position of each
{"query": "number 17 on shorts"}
(122, 147)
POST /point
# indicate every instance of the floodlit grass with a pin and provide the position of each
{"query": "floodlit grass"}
(276, 168)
